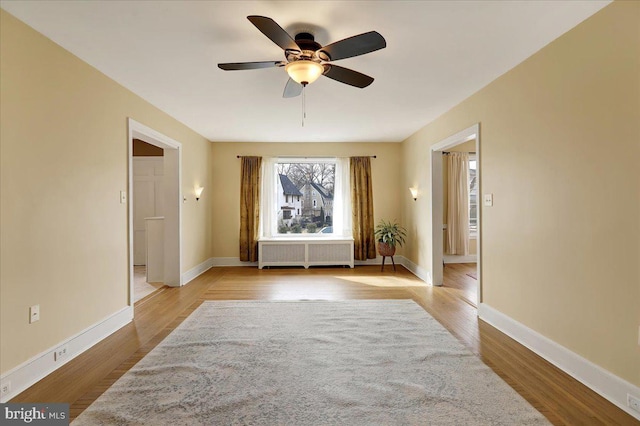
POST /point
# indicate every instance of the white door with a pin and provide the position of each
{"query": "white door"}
(147, 200)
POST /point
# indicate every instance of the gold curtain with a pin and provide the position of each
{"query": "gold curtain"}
(457, 241)
(362, 208)
(250, 208)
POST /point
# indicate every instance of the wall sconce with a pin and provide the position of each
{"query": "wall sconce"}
(414, 193)
(198, 190)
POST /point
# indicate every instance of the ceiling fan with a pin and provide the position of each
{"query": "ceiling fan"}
(306, 60)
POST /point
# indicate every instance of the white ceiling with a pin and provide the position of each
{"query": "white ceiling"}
(438, 53)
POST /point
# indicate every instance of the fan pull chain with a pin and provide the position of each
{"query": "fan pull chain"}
(304, 104)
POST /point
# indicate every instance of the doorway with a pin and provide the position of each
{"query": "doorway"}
(170, 247)
(465, 136)
(147, 199)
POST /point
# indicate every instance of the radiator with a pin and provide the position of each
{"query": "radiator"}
(305, 252)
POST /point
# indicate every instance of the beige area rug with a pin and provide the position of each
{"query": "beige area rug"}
(367, 362)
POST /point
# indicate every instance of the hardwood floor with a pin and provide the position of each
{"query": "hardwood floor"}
(563, 400)
(457, 279)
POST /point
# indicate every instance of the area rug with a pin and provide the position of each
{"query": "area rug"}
(367, 362)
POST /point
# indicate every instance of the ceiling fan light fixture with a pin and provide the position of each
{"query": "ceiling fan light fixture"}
(304, 71)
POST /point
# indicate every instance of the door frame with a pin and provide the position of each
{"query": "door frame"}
(172, 188)
(437, 201)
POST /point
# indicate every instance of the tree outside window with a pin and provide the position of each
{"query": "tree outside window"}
(313, 209)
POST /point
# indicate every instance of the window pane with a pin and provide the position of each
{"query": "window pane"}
(305, 197)
(473, 197)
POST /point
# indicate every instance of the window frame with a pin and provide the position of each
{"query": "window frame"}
(306, 160)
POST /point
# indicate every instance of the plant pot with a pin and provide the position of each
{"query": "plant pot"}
(385, 249)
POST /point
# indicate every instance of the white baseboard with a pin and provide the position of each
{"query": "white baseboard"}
(196, 271)
(416, 270)
(376, 261)
(230, 261)
(43, 364)
(471, 258)
(601, 381)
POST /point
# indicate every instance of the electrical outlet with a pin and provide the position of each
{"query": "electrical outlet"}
(5, 388)
(34, 313)
(633, 402)
(123, 197)
(61, 352)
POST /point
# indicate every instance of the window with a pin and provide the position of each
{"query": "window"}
(310, 179)
(301, 177)
(473, 195)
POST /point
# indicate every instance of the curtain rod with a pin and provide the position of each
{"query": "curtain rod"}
(297, 156)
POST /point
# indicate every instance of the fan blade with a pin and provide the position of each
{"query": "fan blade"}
(236, 66)
(292, 89)
(347, 76)
(274, 32)
(354, 46)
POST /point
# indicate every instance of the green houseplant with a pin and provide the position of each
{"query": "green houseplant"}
(389, 235)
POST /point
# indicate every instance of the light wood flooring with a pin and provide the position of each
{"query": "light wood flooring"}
(456, 279)
(560, 398)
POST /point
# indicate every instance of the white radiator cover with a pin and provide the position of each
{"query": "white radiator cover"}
(305, 252)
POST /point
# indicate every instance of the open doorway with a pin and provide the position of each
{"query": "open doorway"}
(147, 199)
(464, 264)
(161, 239)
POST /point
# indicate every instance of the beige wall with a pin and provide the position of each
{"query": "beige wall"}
(386, 171)
(63, 143)
(560, 145)
(469, 146)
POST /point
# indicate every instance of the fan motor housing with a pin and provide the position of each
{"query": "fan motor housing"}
(309, 49)
(306, 41)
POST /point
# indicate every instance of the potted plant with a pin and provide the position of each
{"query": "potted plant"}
(389, 235)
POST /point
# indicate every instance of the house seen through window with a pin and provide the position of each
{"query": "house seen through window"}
(305, 197)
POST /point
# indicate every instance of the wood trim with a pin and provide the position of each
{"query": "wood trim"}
(437, 199)
(172, 213)
(218, 262)
(418, 271)
(43, 364)
(196, 271)
(471, 258)
(415, 269)
(595, 377)
(562, 399)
